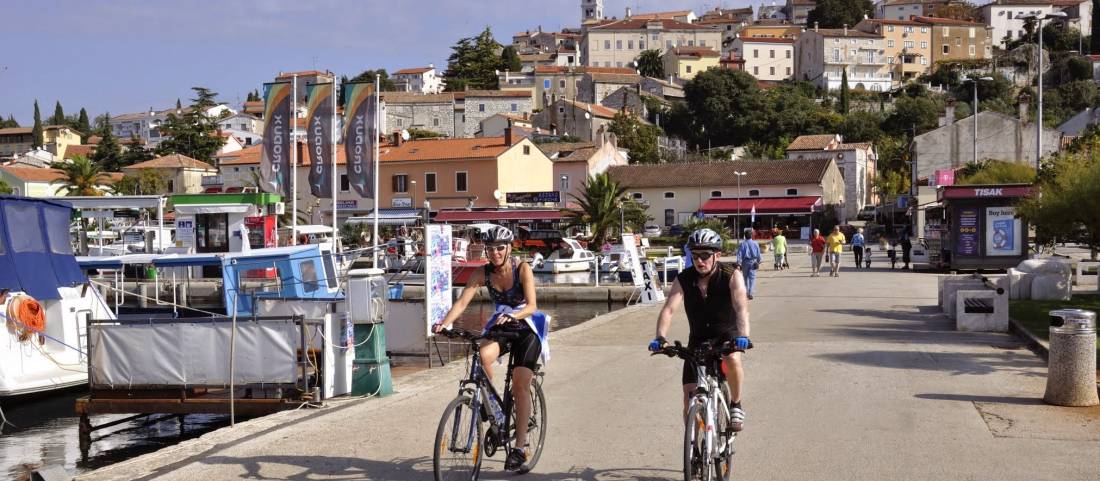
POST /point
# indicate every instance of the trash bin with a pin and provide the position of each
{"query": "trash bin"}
(1071, 367)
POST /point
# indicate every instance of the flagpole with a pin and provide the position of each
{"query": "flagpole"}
(335, 231)
(294, 163)
(377, 126)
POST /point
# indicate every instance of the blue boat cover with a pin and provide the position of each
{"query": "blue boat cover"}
(35, 254)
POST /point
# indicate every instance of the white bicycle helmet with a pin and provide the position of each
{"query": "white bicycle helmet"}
(497, 235)
(705, 239)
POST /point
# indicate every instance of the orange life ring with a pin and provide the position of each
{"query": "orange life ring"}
(26, 315)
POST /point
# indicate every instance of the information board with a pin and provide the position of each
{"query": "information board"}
(968, 232)
(437, 274)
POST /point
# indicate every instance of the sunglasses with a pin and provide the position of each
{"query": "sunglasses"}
(702, 255)
(498, 248)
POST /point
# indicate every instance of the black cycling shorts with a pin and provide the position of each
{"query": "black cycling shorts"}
(688, 375)
(526, 350)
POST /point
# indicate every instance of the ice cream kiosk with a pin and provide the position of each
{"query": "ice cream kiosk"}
(979, 227)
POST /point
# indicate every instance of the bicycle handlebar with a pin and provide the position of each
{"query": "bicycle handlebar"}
(676, 349)
(474, 337)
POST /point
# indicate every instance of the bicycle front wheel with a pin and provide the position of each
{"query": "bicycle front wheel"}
(695, 431)
(458, 442)
(536, 426)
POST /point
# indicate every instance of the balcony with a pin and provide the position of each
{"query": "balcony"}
(856, 60)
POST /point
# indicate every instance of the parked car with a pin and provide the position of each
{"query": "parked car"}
(651, 231)
(675, 230)
(867, 213)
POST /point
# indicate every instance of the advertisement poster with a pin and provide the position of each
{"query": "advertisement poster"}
(437, 273)
(968, 232)
(632, 259)
(1002, 232)
(185, 232)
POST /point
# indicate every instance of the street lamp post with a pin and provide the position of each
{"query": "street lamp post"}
(737, 218)
(564, 186)
(1039, 112)
(413, 201)
(975, 82)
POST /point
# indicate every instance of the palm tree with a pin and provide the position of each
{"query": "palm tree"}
(650, 64)
(600, 204)
(81, 177)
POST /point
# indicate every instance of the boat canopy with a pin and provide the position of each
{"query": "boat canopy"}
(36, 255)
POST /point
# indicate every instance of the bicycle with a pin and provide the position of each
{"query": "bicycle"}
(708, 434)
(461, 433)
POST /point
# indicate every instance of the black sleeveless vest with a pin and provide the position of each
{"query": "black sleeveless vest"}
(713, 316)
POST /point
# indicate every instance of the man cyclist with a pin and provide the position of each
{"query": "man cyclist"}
(716, 303)
(511, 286)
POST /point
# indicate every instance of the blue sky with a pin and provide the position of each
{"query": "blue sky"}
(127, 56)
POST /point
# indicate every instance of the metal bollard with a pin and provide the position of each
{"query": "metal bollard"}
(1071, 370)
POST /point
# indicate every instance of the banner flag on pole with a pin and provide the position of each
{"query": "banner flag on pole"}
(319, 137)
(360, 136)
(278, 126)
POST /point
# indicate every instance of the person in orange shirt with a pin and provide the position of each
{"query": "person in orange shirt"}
(817, 250)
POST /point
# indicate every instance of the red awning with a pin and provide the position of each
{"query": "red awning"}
(496, 215)
(800, 205)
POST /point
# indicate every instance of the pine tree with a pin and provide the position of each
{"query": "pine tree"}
(58, 115)
(108, 153)
(136, 152)
(192, 133)
(36, 132)
(510, 60)
(9, 123)
(83, 125)
(473, 63)
(844, 91)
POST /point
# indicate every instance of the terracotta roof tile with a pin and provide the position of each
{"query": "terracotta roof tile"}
(766, 40)
(413, 71)
(445, 149)
(615, 78)
(596, 109)
(498, 93)
(694, 52)
(173, 161)
(33, 174)
(855, 146)
(811, 142)
(946, 21)
(635, 23)
(701, 174)
(82, 150)
(840, 32)
(416, 98)
(552, 69)
(671, 15)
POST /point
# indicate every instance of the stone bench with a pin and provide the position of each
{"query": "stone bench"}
(981, 311)
(1087, 273)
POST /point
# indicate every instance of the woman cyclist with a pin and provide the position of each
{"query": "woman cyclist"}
(511, 286)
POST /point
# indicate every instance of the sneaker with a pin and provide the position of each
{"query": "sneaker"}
(737, 418)
(515, 460)
(750, 296)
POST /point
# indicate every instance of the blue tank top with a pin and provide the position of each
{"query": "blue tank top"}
(512, 297)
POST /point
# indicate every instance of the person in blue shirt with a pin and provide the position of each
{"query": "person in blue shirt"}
(857, 247)
(748, 257)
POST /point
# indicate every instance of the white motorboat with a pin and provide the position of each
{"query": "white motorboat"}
(45, 299)
(571, 258)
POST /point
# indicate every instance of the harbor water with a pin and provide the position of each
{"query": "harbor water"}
(43, 431)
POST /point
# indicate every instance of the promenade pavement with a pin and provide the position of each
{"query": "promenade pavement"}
(853, 378)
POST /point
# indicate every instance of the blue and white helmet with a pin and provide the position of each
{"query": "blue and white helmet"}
(705, 239)
(497, 235)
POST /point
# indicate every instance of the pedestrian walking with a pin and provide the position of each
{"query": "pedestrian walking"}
(748, 257)
(906, 248)
(779, 248)
(817, 250)
(857, 247)
(834, 245)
